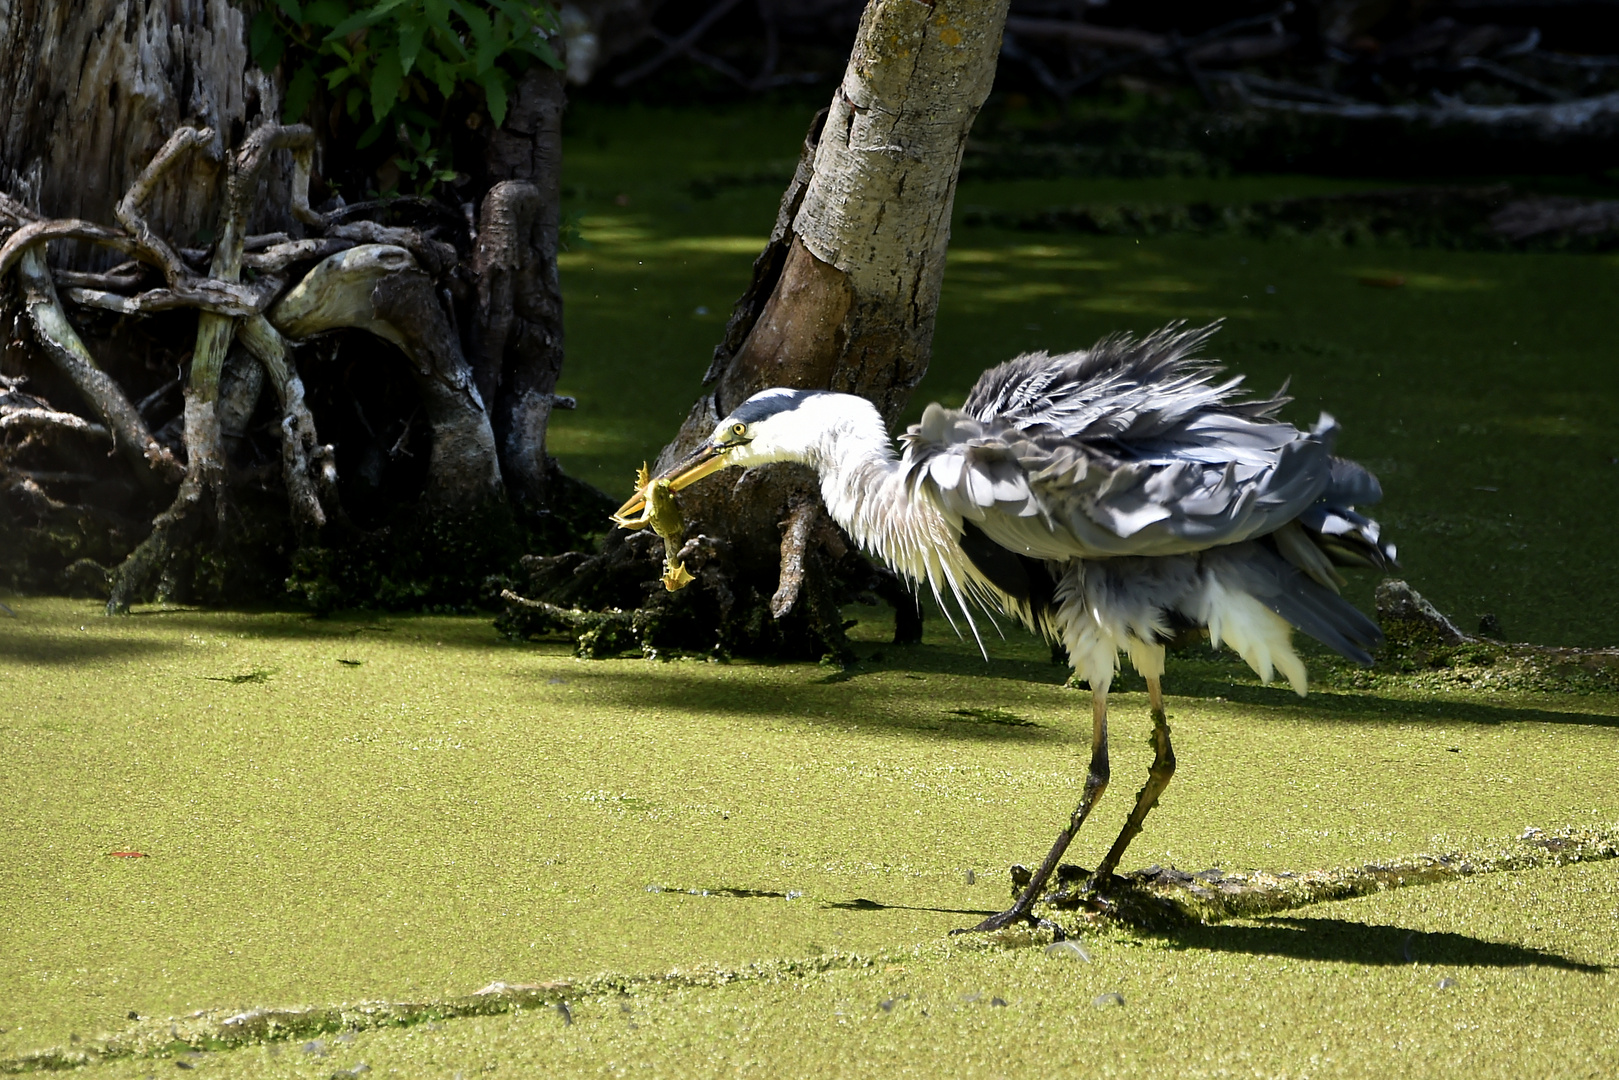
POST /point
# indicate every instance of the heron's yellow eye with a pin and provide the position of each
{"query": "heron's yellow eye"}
(739, 430)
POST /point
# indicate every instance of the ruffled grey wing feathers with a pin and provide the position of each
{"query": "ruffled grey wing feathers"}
(1131, 448)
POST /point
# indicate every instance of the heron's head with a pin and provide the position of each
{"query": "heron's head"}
(772, 425)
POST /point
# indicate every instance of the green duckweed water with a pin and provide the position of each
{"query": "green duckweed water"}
(1482, 391)
(453, 810)
(408, 809)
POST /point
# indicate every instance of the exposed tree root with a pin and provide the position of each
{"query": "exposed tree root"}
(380, 278)
(614, 601)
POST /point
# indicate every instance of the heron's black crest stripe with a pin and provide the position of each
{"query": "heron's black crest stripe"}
(770, 403)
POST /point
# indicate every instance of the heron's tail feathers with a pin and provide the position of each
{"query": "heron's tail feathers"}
(1257, 572)
(1255, 632)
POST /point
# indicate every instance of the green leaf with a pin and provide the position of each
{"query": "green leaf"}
(354, 22)
(299, 91)
(325, 12)
(442, 74)
(484, 45)
(541, 50)
(494, 88)
(410, 43)
(265, 42)
(290, 7)
(386, 78)
(370, 136)
(352, 102)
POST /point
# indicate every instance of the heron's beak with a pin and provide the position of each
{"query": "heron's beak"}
(707, 458)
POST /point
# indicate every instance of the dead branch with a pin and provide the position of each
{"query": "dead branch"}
(50, 419)
(41, 231)
(152, 461)
(1231, 50)
(1523, 219)
(124, 276)
(221, 298)
(1586, 118)
(242, 189)
(148, 243)
(1080, 33)
(795, 534)
(676, 46)
(282, 255)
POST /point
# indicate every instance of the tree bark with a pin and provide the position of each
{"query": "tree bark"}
(121, 122)
(844, 297)
(91, 90)
(517, 331)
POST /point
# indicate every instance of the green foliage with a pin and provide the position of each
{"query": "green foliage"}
(394, 67)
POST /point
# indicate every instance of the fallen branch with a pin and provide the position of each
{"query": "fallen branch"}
(122, 277)
(282, 255)
(435, 256)
(676, 46)
(1586, 118)
(50, 419)
(1232, 50)
(40, 232)
(1160, 898)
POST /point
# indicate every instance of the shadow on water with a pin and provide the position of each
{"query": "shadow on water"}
(1370, 707)
(859, 903)
(919, 706)
(966, 709)
(1359, 943)
(39, 649)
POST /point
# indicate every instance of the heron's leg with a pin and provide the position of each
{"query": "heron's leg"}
(1095, 784)
(1163, 767)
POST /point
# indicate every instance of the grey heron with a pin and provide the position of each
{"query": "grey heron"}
(1109, 499)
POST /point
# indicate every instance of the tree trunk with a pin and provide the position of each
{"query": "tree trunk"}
(518, 324)
(843, 298)
(138, 130)
(851, 278)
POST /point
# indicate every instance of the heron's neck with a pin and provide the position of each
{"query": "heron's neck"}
(864, 487)
(856, 463)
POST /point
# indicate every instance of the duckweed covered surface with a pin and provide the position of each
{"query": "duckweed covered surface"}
(409, 809)
(1479, 387)
(221, 812)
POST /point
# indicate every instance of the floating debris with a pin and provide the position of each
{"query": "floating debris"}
(1108, 1000)
(1068, 950)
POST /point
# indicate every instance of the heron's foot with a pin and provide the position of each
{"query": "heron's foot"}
(1014, 914)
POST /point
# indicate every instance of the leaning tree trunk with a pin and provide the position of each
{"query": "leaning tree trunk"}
(843, 298)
